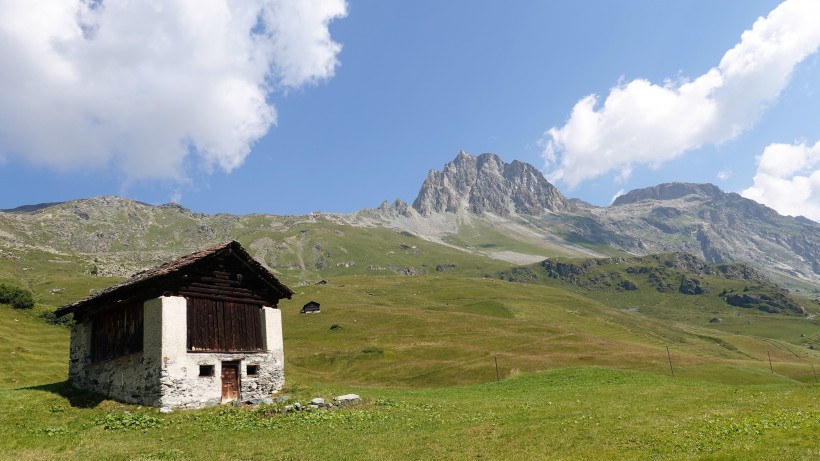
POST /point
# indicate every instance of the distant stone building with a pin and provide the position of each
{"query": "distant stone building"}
(311, 307)
(201, 330)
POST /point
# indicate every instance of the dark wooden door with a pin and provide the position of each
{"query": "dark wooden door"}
(230, 381)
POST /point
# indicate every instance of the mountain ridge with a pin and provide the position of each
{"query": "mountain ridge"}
(702, 219)
(479, 205)
(668, 191)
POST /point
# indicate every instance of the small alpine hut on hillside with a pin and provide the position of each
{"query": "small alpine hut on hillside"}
(201, 330)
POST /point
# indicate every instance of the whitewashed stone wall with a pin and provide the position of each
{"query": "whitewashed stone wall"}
(183, 387)
(165, 374)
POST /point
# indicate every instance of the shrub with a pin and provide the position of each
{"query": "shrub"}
(51, 318)
(18, 298)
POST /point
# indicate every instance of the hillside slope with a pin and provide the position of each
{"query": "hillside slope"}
(62, 251)
(476, 217)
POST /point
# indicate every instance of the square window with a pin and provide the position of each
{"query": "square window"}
(206, 370)
(253, 370)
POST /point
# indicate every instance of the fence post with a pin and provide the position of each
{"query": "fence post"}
(770, 361)
(670, 361)
(497, 377)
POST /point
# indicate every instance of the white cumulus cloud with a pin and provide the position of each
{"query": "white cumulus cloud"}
(644, 123)
(788, 180)
(150, 87)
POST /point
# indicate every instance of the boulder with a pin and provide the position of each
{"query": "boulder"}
(347, 399)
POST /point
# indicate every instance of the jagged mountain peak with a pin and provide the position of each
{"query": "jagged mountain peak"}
(669, 191)
(486, 184)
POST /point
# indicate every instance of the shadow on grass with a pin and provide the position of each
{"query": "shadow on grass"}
(77, 398)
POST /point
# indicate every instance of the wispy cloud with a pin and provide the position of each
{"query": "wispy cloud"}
(788, 180)
(723, 175)
(642, 123)
(617, 194)
(151, 88)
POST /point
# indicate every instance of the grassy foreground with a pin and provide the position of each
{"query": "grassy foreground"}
(575, 413)
(579, 380)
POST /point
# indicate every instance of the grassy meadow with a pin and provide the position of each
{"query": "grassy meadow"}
(578, 377)
(571, 413)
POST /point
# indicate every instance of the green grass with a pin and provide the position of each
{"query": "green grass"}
(698, 310)
(483, 236)
(449, 330)
(575, 413)
(32, 351)
(296, 249)
(580, 379)
(55, 279)
(519, 236)
(325, 249)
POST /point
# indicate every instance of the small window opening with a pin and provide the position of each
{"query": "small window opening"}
(206, 370)
(253, 370)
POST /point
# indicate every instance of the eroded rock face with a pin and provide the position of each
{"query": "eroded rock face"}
(668, 191)
(717, 226)
(486, 184)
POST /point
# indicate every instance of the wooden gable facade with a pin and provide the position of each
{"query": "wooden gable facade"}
(222, 273)
(226, 296)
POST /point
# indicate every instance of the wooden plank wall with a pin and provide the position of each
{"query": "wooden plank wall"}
(223, 326)
(223, 309)
(117, 332)
(220, 284)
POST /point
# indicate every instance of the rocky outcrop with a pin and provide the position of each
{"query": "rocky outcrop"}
(668, 191)
(692, 286)
(717, 226)
(672, 272)
(485, 184)
(397, 208)
(777, 303)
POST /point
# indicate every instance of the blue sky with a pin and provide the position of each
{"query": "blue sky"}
(336, 107)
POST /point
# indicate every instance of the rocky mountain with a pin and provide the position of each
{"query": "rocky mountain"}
(477, 209)
(718, 226)
(699, 219)
(668, 191)
(486, 184)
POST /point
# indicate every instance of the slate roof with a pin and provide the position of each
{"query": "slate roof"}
(148, 276)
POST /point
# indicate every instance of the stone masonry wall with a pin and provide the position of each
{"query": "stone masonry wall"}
(183, 387)
(165, 374)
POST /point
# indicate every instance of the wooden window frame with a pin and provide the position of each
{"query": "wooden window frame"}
(207, 371)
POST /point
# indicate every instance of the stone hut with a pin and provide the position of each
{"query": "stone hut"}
(201, 330)
(312, 307)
